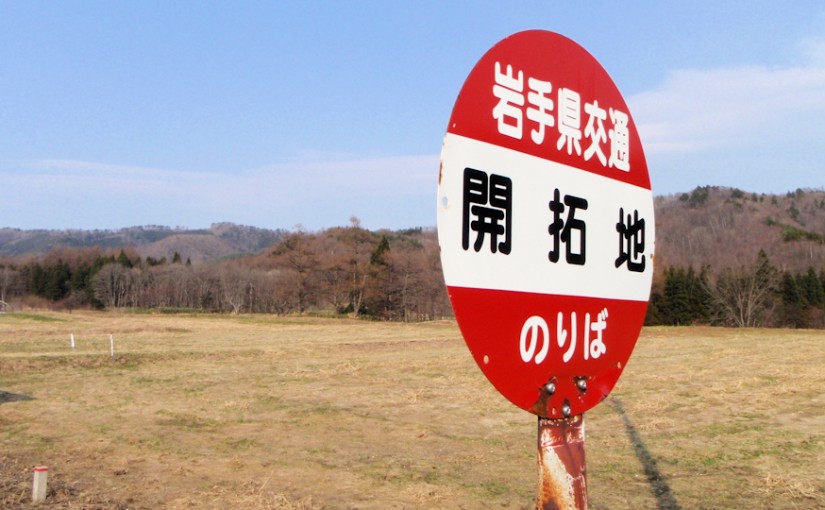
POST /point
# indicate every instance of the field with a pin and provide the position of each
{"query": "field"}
(261, 412)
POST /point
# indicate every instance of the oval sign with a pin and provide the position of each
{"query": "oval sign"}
(545, 223)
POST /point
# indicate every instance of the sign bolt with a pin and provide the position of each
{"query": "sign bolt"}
(565, 409)
(581, 383)
(550, 387)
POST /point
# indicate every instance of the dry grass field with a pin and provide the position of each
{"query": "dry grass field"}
(261, 412)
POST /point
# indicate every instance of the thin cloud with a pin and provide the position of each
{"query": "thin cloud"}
(707, 109)
(382, 173)
(103, 177)
(813, 48)
(385, 192)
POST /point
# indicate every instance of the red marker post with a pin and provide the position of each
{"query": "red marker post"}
(39, 484)
(546, 229)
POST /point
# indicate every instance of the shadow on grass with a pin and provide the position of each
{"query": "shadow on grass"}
(658, 484)
(13, 397)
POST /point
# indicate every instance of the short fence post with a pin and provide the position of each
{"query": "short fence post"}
(41, 474)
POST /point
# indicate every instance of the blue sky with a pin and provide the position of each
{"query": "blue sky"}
(275, 114)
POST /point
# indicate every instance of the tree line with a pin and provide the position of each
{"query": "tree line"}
(382, 275)
(344, 270)
(751, 295)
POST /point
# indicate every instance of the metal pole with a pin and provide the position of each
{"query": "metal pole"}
(562, 471)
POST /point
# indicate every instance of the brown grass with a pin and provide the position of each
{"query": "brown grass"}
(269, 413)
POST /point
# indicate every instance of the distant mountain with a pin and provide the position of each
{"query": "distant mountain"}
(708, 226)
(221, 240)
(726, 227)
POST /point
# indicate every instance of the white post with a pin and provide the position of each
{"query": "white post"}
(112, 347)
(71, 335)
(41, 474)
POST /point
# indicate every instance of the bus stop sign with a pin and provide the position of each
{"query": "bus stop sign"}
(545, 223)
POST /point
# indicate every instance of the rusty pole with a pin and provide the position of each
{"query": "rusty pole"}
(562, 471)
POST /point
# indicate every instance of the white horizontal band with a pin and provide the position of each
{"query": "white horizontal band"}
(527, 268)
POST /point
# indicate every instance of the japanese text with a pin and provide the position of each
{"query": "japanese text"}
(566, 114)
(631, 241)
(561, 229)
(487, 210)
(535, 340)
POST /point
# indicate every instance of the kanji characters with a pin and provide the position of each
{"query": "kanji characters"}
(508, 89)
(487, 210)
(594, 131)
(565, 115)
(561, 229)
(619, 141)
(540, 109)
(569, 121)
(631, 241)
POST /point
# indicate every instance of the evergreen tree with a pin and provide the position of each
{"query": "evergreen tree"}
(699, 297)
(80, 278)
(684, 300)
(793, 302)
(765, 272)
(812, 288)
(655, 315)
(676, 297)
(57, 281)
(822, 278)
(123, 260)
(37, 279)
(378, 255)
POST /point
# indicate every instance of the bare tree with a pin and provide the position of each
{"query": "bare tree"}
(111, 285)
(9, 283)
(359, 247)
(297, 257)
(238, 287)
(233, 292)
(743, 295)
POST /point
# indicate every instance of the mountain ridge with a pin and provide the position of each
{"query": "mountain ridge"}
(710, 226)
(220, 240)
(722, 227)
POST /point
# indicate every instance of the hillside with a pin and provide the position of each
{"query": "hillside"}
(724, 227)
(706, 271)
(221, 240)
(714, 226)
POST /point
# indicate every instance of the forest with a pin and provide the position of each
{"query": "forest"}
(723, 257)
(751, 295)
(343, 270)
